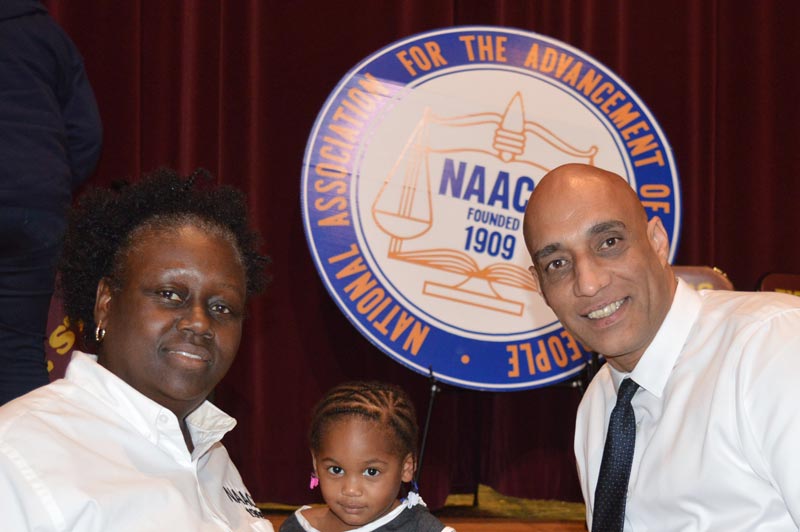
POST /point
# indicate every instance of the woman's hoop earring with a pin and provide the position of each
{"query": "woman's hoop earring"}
(99, 334)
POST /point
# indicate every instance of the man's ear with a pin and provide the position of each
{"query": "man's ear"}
(659, 241)
(408, 467)
(537, 283)
(102, 301)
(537, 286)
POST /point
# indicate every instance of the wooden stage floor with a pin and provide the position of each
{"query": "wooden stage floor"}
(471, 524)
(463, 524)
(494, 513)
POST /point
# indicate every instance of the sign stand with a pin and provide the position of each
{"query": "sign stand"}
(434, 390)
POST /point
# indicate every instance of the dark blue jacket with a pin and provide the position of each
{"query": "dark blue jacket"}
(50, 130)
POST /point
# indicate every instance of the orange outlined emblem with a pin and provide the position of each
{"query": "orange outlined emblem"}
(416, 179)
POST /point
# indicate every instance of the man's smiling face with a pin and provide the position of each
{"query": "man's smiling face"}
(600, 265)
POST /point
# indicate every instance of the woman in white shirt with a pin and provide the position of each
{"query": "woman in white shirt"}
(159, 273)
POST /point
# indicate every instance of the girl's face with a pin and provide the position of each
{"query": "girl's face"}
(359, 473)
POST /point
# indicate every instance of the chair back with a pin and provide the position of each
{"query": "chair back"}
(788, 283)
(703, 277)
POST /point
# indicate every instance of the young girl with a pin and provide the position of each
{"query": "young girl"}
(364, 446)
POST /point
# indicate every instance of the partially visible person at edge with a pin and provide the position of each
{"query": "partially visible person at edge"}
(160, 273)
(50, 137)
(717, 430)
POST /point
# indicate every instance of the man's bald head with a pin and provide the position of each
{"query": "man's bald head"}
(598, 262)
(565, 181)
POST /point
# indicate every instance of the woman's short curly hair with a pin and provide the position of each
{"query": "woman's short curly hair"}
(104, 222)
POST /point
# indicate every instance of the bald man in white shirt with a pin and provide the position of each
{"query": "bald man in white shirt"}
(716, 425)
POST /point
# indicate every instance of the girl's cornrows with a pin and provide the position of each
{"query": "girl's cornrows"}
(384, 403)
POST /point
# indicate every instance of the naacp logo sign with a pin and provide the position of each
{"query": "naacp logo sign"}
(416, 177)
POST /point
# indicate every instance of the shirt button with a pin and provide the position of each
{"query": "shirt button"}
(162, 418)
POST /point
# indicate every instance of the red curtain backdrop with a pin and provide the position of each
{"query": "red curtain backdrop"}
(235, 86)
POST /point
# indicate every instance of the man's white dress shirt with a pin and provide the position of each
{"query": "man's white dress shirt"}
(88, 453)
(717, 417)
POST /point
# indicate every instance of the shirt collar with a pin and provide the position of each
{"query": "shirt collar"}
(373, 525)
(207, 423)
(655, 366)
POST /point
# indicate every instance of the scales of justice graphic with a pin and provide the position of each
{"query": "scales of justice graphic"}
(404, 208)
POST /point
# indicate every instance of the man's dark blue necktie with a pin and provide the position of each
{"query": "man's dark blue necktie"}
(615, 469)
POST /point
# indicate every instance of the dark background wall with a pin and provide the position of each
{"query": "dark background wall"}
(235, 86)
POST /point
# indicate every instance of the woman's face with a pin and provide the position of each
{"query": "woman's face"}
(173, 326)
